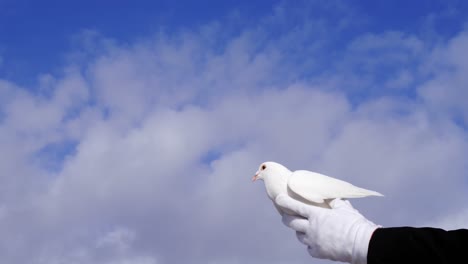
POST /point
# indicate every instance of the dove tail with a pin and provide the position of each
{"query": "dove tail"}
(373, 193)
(361, 192)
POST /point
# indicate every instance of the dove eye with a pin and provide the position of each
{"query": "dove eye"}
(263, 167)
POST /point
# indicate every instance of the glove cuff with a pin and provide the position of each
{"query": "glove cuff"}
(361, 241)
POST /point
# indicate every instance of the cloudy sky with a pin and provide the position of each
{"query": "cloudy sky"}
(129, 132)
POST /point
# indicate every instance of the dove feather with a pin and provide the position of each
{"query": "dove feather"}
(316, 187)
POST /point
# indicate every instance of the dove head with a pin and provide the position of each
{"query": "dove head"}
(275, 177)
(270, 171)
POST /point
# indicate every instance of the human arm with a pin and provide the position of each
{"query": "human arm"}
(343, 234)
(340, 234)
(418, 245)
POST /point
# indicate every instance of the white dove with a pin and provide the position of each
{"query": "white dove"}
(306, 186)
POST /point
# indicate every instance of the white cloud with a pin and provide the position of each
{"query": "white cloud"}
(454, 220)
(445, 90)
(169, 131)
(111, 248)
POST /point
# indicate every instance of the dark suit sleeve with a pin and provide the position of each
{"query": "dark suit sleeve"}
(418, 245)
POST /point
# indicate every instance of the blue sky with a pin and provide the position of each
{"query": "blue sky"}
(130, 130)
(35, 37)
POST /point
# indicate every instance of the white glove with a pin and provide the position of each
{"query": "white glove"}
(339, 234)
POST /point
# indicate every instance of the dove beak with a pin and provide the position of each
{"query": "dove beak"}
(255, 177)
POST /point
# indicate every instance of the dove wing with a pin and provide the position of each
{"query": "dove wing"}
(316, 187)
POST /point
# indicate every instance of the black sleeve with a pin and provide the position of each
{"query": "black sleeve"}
(418, 245)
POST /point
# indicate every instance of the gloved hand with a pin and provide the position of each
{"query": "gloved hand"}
(340, 233)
